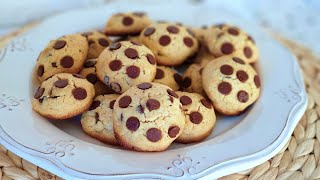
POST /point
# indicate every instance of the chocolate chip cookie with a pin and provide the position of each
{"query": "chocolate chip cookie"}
(97, 42)
(63, 55)
(148, 117)
(168, 76)
(63, 96)
(125, 64)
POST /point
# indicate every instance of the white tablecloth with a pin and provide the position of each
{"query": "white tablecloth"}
(298, 20)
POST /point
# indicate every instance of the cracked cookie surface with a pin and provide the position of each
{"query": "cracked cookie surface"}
(63, 96)
(231, 84)
(130, 23)
(169, 77)
(200, 117)
(226, 39)
(98, 121)
(125, 64)
(63, 55)
(148, 117)
(172, 44)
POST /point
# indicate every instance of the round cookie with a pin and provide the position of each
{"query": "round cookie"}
(97, 42)
(130, 23)
(192, 80)
(148, 117)
(231, 84)
(169, 77)
(89, 72)
(125, 64)
(63, 55)
(98, 121)
(63, 96)
(226, 39)
(171, 44)
(200, 117)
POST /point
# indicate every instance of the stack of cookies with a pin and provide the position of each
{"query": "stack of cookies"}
(124, 84)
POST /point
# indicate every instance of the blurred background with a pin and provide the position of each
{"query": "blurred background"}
(295, 19)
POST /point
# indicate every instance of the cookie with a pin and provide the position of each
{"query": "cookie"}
(135, 39)
(97, 42)
(63, 96)
(125, 64)
(168, 77)
(148, 117)
(130, 23)
(192, 79)
(203, 56)
(200, 117)
(200, 33)
(226, 39)
(231, 84)
(98, 121)
(171, 44)
(89, 72)
(63, 55)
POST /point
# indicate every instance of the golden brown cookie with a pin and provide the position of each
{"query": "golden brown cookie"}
(168, 76)
(97, 42)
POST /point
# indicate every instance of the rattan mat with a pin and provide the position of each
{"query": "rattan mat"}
(299, 159)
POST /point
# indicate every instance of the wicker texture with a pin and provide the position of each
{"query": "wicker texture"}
(299, 159)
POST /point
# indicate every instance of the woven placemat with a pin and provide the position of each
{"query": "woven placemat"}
(299, 159)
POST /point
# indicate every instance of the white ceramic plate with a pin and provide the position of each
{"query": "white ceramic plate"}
(237, 143)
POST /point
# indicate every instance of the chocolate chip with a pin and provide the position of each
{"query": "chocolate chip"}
(111, 105)
(115, 87)
(190, 32)
(159, 74)
(173, 131)
(151, 59)
(90, 42)
(178, 78)
(61, 83)
(59, 44)
(206, 103)
(173, 29)
(89, 63)
(124, 101)
(154, 134)
(136, 43)
(243, 96)
(188, 41)
(140, 109)
(115, 65)
(226, 69)
(186, 82)
(256, 80)
(94, 105)
(171, 99)
(227, 48)
(54, 64)
(164, 40)
(132, 123)
(40, 70)
(131, 53)
(195, 117)
(79, 93)
(153, 104)
(185, 100)
(127, 21)
(238, 60)
(103, 42)
(39, 93)
(233, 31)
(224, 88)
(92, 78)
(114, 46)
(66, 62)
(251, 39)
(247, 52)
(149, 31)
(144, 86)
(242, 76)
(133, 71)
(78, 76)
(96, 116)
(139, 14)
(172, 93)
